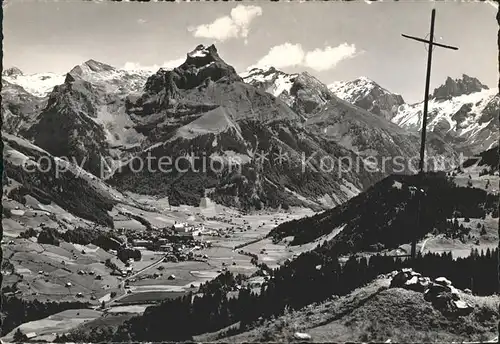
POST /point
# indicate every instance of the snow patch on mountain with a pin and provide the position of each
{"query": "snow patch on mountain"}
(113, 80)
(273, 80)
(200, 51)
(410, 116)
(470, 120)
(368, 95)
(352, 91)
(40, 84)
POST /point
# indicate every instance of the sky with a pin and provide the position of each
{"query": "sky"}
(333, 41)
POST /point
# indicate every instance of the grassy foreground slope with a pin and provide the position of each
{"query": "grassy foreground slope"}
(375, 313)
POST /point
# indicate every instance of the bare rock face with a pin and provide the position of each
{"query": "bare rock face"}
(66, 129)
(203, 67)
(458, 87)
(19, 108)
(440, 292)
(309, 94)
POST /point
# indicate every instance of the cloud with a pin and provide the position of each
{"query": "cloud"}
(284, 55)
(141, 21)
(329, 57)
(171, 64)
(235, 25)
(290, 55)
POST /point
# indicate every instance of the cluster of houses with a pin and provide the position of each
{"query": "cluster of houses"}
(184, 229)
(180, 230)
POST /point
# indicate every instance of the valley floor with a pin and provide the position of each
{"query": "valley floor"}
(42, 272)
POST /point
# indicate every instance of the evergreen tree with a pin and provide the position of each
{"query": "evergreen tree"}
(483, 230)
(20, 337)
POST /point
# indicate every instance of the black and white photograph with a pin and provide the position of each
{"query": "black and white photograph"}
(250, 171)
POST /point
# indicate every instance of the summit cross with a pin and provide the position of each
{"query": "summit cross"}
(431, 45)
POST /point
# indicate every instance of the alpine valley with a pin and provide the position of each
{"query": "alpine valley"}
(281, 185)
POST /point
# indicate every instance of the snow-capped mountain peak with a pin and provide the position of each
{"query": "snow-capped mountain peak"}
(39, 84)
(109, 77)
(202, 56)
(199, 51)
(469, 119)
(301, 91)
(354, 90)
(92, 69)
(92, 66)
(272, 80)
(369, 95)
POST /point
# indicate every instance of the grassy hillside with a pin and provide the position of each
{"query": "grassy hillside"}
(385, 216)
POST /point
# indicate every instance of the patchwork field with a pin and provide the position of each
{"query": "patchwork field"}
(68, 272)
(47, 272)
(48, 328)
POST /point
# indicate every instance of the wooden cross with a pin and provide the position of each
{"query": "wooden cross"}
(431, 44)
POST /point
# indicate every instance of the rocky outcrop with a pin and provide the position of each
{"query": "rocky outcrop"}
(202, 67)
(440, 291)
(309, 94)
(457, 87)
(66, 127)
(19, 108)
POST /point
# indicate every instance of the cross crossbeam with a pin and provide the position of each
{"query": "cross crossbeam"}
(428, 42)
(431, 43)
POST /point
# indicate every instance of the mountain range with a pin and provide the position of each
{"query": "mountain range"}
(109, 151)
(289, 134)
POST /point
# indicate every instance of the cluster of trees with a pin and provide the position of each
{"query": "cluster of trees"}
(222, 283)
(83, 236)
(87, 335)
(28, 233)
(124, 254)
(456, 230)
(487, 158)
(109, 264)
(312, 277)
(20, 337)
(17, 311)
(486, 171)
(49, 236)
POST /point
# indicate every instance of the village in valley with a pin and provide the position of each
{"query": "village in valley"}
(238, 181)
(151, 255)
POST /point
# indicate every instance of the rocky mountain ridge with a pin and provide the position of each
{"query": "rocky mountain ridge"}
(103, 117)
(462, 111)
